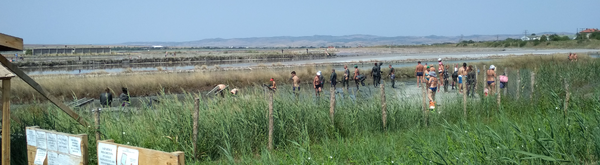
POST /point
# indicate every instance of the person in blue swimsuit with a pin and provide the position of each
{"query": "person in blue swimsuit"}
(432, 86)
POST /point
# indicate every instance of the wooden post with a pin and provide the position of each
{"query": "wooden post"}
(97, 122)
(484, 78)
(195, 129)
(383, 107)
(6, 120)
(505, 85)
(270, 143)
(532, 85)
(476, 77)
(425, 105)
(518, 84)
(332, 104)
(567, 95)
(465, 100)
(498, 97)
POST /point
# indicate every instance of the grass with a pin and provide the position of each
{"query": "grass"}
(234, 130)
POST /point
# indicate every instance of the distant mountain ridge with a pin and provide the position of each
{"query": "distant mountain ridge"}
(327, 40)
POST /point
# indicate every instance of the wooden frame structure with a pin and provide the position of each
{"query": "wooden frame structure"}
(7, 43)
(10, 43)
(64, 157)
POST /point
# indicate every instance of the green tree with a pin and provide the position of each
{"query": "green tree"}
(543, 38)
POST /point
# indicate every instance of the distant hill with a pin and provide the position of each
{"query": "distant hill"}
(327, 40)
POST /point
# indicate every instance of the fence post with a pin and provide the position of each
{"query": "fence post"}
(532, 85)
(195, 129)
(425, 104)
(97, 121)
(518, 84)
(476, 77)
(567, 95)
(332, 104)
(383, 107)
(270, 143)
(505, 85)
(465, 100)
(498, 97)
(484, 78)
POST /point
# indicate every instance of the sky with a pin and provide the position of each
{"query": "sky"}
(118, 21)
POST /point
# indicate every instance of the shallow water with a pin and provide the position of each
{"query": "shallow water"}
(339, 59)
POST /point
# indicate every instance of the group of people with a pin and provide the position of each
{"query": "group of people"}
(572, 57)
(463, 77)
(106, 98)
(318, 81)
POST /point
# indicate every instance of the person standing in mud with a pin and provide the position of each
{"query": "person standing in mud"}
(471, 82)
(455, 77)
(295, 82)
(124, 97)
(317, 84)
(432, 86)
(346, 77)
(419, 74)
(375, 74)
(462, 73)
(333, 78)
(106, 98)
(441, 71)
(392, 76)
(356, 76)
(491, 75)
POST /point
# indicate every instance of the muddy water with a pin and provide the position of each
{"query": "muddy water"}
(340, 58)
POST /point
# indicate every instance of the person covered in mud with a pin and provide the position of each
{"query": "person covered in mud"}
(357, 76)
(317, 84)
(392, 76)
(440, 71)
(106, 98)
(455, 77)
(321, 78)
(333, 78)
(295, 82)
(124, 97)
(471, 82)
(445, 78)
(375, 74)
(273, 84)
(433, 85)
(234, 91)
(491, 75)
(462, 73)
(419, 73)
(345, 81)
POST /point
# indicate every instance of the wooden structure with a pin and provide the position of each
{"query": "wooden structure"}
(7, 43)
(108, 154)
(50, 147)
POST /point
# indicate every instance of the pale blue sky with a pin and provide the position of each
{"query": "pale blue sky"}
(118, 21)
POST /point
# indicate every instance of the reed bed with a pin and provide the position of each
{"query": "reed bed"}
(234, 129)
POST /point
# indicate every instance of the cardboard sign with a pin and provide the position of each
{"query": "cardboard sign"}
(107, 154)
(31, 139)
(62, 143)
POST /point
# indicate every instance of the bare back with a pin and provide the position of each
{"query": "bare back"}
(433, 81)
(419, 68)
(356, 73)
(296, 81)
(491, 74)
(461, 70)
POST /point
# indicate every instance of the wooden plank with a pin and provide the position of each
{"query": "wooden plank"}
(150, 157)
(6, 121)
(10, 43)
(41, 90)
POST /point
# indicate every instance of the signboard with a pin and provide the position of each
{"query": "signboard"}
(110, 153)
(47, 147)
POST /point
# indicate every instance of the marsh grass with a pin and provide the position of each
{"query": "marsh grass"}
(234, 130)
